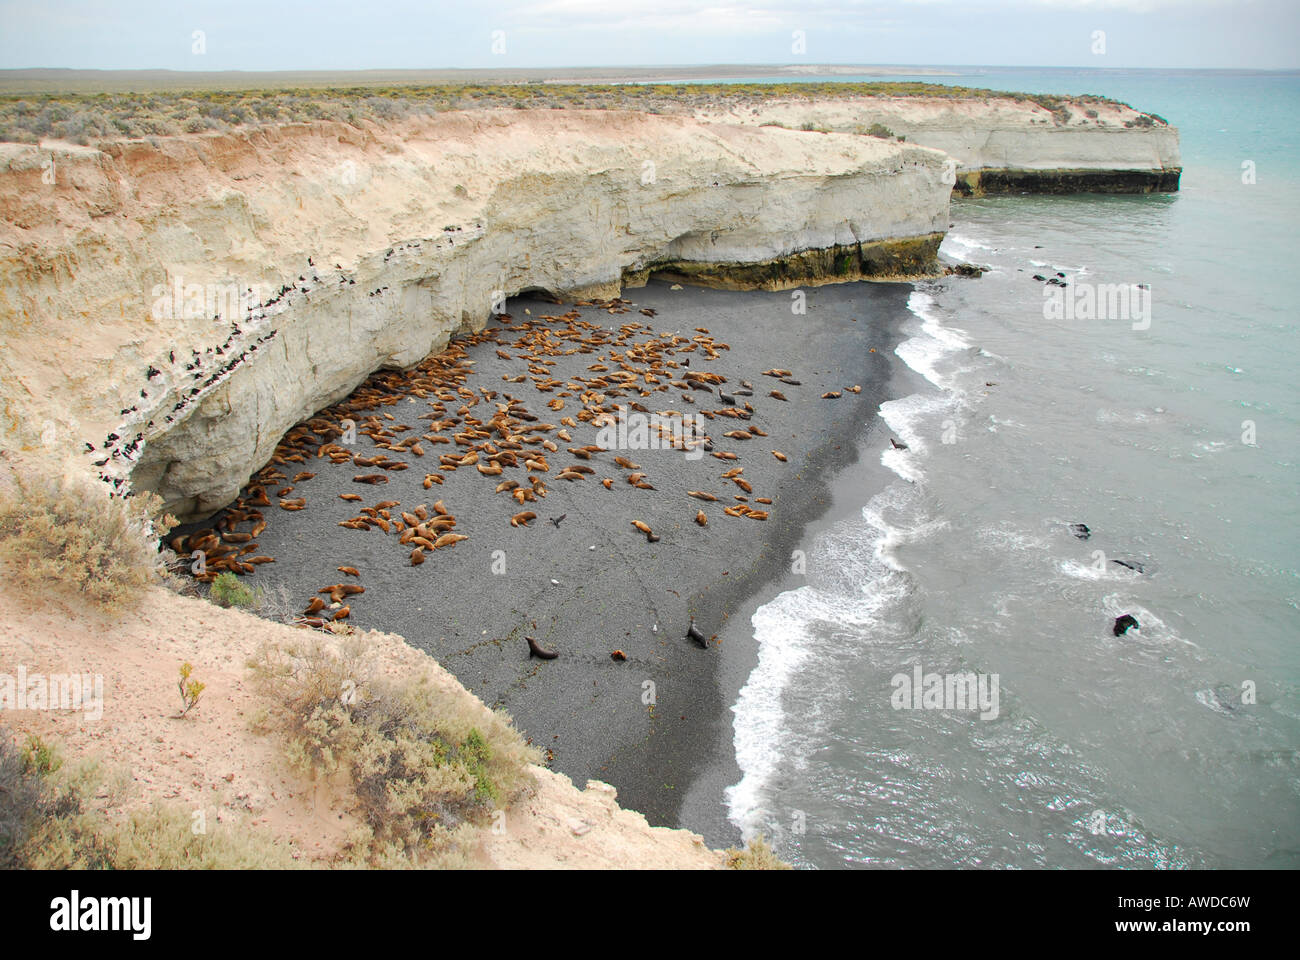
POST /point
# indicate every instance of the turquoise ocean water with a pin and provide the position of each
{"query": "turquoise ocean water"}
(1177, 745)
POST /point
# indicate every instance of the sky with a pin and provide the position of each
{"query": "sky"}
(421, 34)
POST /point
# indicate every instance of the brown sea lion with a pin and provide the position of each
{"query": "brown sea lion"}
(536, 650)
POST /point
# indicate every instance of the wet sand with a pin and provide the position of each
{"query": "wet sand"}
(652, 724)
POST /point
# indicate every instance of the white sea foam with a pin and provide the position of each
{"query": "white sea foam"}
(1150, 627)
(1086, 571)
(789, 644)
(785, 628)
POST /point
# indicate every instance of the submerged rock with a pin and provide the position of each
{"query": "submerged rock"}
(1124, 623)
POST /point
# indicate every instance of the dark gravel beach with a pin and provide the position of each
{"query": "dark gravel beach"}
(593, 585)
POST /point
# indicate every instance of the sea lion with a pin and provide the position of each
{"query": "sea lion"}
(536, 650)
(1080, 530)
(350, 571)
(618, 655)
(896, 445)
(1134, 565)
(700, 495)
(701, 518)
(645, 528)
(1124, 623)
(522, 519)
(693, 633)
(417, 556)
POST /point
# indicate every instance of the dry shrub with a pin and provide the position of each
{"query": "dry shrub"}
(757, 855)
(47, 823)
(105, 548)
(425, 764)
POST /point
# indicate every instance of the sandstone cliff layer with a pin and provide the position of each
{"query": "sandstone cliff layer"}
(1003, 144)
(178, 305)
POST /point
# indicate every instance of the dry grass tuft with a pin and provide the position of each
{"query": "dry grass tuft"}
(47, 823)
(424, 764)
(105, 549)
(757, 855)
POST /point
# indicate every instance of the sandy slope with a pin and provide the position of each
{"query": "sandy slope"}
(213, 760)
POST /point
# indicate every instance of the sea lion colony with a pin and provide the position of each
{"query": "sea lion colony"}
(491, 434)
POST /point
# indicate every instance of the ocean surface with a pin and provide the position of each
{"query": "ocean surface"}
(1173, 433)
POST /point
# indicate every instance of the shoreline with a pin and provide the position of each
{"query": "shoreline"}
(848, 483)
(712, 757)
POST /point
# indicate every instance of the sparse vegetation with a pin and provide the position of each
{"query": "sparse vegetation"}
(103, 548)
(424, 764)
(49, 821)
(229, 591)
(880, 130)
(190, 690)
(757, 855)
(85, 118)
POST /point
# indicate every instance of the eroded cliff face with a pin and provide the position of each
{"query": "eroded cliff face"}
(144, 289)
(1003, 145)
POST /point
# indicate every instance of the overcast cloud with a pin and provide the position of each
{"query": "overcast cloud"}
(346, 34)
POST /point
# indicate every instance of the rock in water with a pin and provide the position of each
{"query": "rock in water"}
(1080, 530)
(1122, 624)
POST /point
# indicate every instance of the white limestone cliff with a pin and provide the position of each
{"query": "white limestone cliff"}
(414, 230)
(994, 133)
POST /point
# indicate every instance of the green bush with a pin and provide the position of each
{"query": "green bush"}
(229, 591)
(425, 765)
